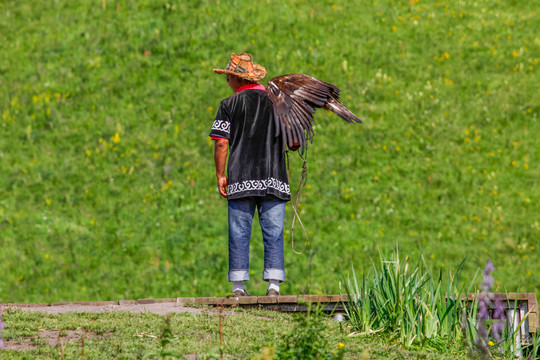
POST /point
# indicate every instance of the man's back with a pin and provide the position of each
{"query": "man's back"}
(256, 164)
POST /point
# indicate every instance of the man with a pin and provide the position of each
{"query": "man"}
(256, 176)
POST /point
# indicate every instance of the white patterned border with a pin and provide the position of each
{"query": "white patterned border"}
(258, 185)
(222, 125)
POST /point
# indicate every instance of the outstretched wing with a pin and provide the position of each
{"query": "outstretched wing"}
(295, 98)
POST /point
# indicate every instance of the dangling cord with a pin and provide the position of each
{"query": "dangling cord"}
(295, 206)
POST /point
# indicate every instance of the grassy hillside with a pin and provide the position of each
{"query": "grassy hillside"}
(107, 185)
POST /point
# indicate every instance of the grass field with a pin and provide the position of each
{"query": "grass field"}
(135, 336)
(107, 185)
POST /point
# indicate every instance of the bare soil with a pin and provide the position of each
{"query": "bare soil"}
(49, 337)
(159, 308)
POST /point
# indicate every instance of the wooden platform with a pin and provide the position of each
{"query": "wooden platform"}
(522, 304)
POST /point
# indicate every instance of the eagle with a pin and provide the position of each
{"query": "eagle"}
(294, 98)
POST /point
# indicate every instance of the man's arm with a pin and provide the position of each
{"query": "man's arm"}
(221, 150)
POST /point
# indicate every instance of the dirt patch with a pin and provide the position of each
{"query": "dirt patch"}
(55, 337)
(203, 356)
(49, 338)
(160, 308)
(24, 344)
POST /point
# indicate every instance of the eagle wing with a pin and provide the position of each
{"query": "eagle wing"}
(294, 98)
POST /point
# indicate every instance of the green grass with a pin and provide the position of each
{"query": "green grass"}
(107, 186)
(117, 335)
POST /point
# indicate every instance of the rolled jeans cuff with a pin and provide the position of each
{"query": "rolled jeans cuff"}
(274, 274)
(238, 275)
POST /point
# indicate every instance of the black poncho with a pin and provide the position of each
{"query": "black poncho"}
(256, 164)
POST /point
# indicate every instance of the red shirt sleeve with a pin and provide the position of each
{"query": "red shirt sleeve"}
(217, 137)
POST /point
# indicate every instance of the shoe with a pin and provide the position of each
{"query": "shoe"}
(239, 293)
(272, 292)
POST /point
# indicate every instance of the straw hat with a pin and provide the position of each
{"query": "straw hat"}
(241, 65)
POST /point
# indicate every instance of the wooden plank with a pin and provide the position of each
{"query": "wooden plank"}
(104, 303)
(267, 299)
(146, 301)
(61, 303)
(185, 300)
(309, 298)
(287, 299)
(166, 300)
(533, 315)
(206, 300)
(516, 296)
(230, 301)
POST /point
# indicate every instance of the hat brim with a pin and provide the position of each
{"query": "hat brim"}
(256, 75)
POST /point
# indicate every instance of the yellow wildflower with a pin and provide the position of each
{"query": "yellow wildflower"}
(167, 185)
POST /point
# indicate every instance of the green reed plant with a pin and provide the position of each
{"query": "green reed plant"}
(361, 314)
(421, 309)
(407, 300)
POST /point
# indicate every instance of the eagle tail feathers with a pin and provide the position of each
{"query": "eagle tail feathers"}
(341, 110)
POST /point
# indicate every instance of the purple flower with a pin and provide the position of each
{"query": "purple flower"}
(487, 282)
(484, 303)
(481, 341)
(500, 316)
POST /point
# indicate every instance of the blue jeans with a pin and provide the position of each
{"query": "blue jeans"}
(271, 218)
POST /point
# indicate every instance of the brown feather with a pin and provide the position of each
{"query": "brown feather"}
(295, 98)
